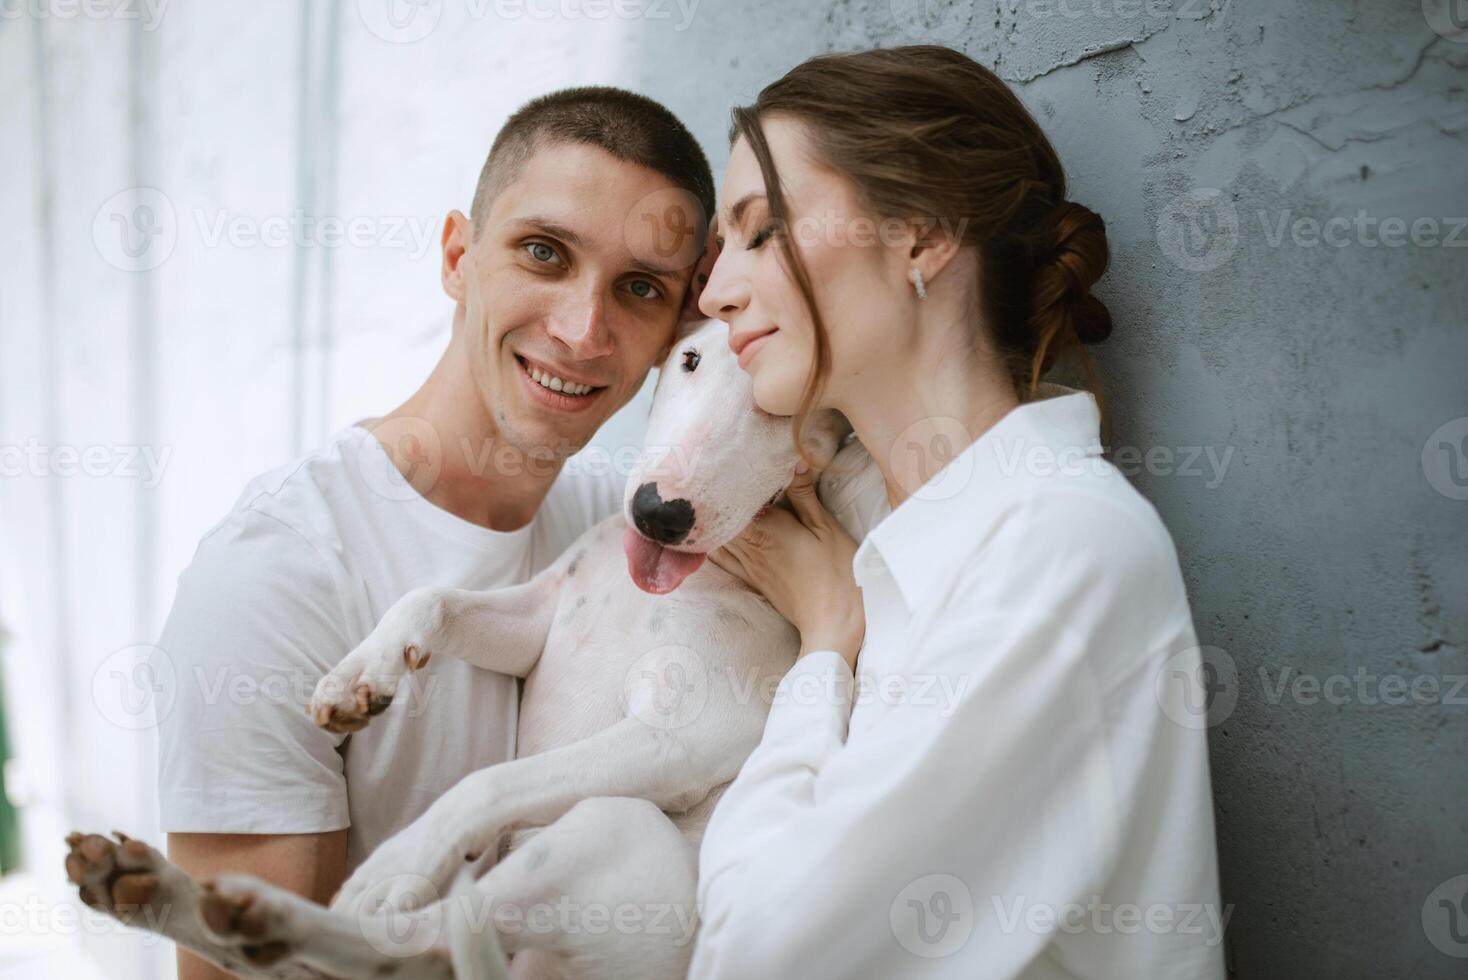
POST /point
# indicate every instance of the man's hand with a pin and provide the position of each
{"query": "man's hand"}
(312, 865)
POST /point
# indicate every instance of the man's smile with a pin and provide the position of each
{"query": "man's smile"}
(557, 388)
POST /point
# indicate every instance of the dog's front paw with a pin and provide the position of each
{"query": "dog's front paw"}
(364, 683)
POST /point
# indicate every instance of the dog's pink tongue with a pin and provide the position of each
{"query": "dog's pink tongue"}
(654, 568)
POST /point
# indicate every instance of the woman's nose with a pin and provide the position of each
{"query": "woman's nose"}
(726, 292)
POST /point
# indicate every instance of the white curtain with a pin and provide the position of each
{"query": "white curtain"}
(175, 318)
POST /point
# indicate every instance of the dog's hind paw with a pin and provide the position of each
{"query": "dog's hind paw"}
(241, 912)
(121, 878)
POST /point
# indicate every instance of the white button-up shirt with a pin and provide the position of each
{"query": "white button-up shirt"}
(1017, 784)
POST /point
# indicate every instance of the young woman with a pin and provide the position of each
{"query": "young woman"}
(1013, 784)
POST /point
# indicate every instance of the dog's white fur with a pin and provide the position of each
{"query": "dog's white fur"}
(637, 711)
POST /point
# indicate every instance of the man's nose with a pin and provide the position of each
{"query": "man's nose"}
(582, 328)
(663, 521)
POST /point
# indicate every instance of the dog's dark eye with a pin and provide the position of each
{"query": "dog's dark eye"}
(691, 357)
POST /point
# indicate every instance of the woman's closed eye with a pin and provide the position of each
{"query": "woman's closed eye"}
(761, 236)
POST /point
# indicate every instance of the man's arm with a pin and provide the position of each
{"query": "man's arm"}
(312, 865)
(247, 783)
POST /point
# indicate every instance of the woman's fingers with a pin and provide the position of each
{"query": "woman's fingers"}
(802, 496)
(725, 559)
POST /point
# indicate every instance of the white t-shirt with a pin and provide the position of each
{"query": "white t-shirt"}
(299, 572)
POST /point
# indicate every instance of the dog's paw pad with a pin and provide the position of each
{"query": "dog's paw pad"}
(119, 877)
(236, 917)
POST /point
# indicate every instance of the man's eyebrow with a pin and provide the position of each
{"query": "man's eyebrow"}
(669, 274)
(557, 230)
(551, 227)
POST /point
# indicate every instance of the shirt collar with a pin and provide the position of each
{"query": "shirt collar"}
(921, 542)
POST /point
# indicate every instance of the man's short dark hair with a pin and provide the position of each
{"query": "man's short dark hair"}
(629, 126)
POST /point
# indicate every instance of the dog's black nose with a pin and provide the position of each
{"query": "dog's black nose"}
(664, 521)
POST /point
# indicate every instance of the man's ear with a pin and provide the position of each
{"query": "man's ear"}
(457, 231)
(690, 316)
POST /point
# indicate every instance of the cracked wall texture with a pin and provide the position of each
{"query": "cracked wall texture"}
(1295, 383)
(1323, 549)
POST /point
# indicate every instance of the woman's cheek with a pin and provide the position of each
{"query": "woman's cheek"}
(780, 379)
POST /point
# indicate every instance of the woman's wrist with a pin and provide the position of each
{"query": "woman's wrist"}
(844, 638)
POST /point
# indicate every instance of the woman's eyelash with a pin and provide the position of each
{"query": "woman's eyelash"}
(761, 237)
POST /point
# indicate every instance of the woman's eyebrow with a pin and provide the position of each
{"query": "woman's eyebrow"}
(736, 213)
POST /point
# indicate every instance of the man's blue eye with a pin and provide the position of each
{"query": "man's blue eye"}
(643, 289)
(542, 252)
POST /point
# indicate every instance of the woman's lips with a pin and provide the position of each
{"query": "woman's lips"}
(747, 348)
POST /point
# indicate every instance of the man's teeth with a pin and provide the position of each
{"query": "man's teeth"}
(556, 384)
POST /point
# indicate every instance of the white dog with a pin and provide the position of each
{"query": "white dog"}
(640, 704)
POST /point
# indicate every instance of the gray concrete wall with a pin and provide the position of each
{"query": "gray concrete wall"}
(1325, 536)
(1296, 408)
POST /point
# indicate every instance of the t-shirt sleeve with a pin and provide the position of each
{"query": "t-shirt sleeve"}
(257, 619)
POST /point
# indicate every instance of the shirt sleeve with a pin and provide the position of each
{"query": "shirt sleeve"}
(256, 621)
(928, 845)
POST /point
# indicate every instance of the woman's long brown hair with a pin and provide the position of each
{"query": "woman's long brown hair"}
(928, 135)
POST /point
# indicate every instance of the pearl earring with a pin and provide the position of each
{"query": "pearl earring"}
(917, 283)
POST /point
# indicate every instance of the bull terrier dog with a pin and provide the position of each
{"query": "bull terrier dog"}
(648, 674)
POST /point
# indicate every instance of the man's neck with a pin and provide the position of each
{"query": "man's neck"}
(445, 443)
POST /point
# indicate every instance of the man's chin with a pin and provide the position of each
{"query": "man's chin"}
(543, 444)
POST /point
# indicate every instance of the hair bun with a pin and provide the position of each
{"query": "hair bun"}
(1079, 258)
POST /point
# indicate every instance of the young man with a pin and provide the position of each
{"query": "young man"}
(570, 278)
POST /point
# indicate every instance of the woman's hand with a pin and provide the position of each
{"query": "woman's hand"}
(801, 563)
